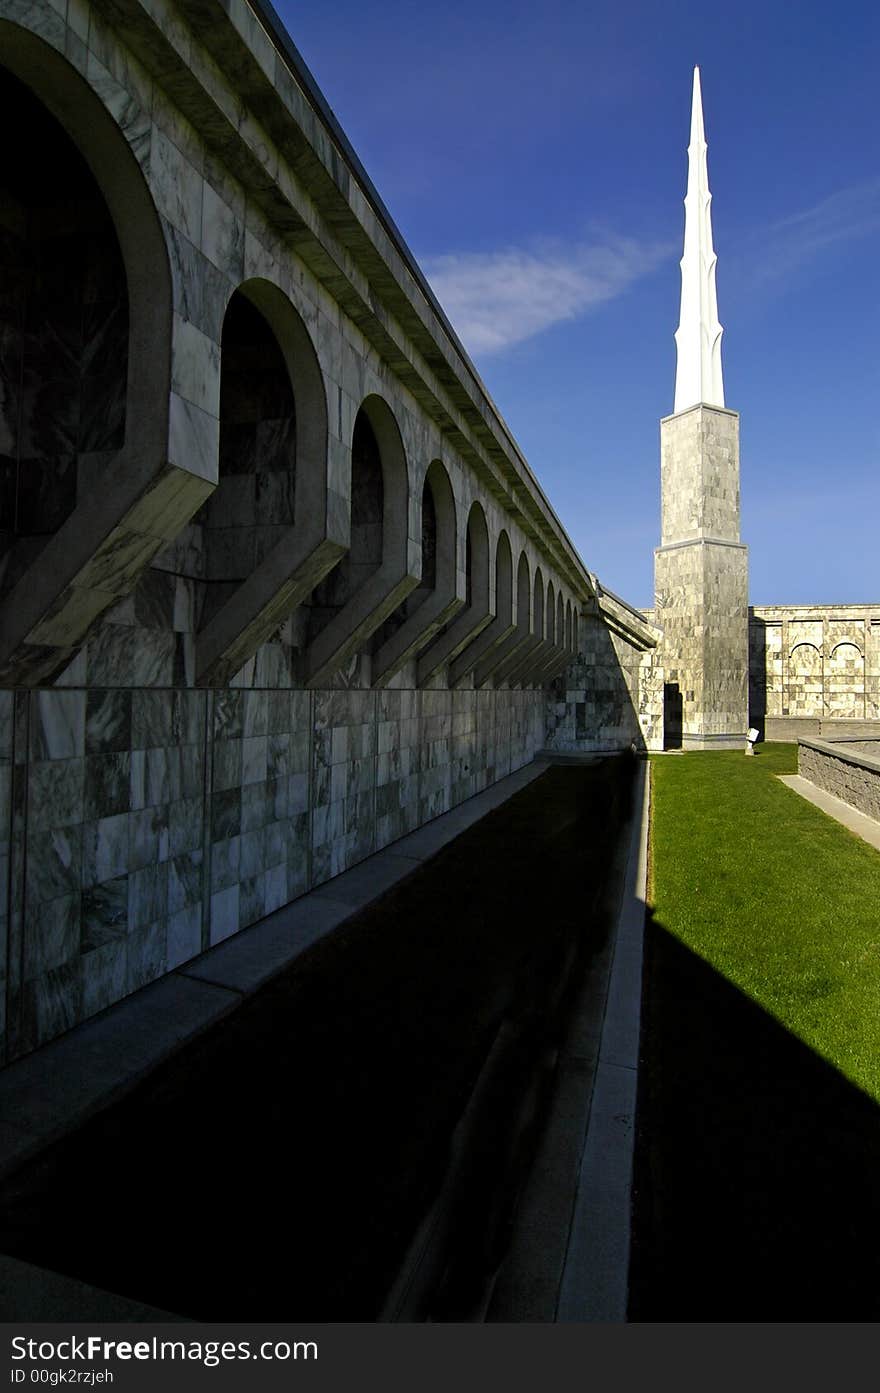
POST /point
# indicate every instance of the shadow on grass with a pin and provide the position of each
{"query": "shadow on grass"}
(277, 1167)
(757, 1165)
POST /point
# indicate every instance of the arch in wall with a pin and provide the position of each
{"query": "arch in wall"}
(417, 620)
(267, 529)
(132, 502)
(845, 694)
(374, 575)
(498, 663)
(804, 680)
(558, 658)
(480, 649)
(534, 654)
(476, 612)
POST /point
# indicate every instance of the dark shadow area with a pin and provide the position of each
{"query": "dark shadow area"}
(757, 1164)
(757, 674)
(673, 716)
(277, 1167)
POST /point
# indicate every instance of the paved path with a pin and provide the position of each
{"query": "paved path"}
(863, 826)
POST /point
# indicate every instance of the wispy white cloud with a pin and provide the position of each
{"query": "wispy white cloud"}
(496, 299)
(796, 241)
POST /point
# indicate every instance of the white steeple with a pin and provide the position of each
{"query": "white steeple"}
(698, 336)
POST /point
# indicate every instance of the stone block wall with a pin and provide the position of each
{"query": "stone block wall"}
(141, 826)
(813, 663)
(610, 696)
(849, 771)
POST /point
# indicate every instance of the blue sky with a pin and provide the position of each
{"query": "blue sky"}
(534, 158)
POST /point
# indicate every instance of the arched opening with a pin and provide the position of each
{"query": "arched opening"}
(560, 622)
(551, 613)
(805, 681)
(364, 556)
(504, 579)
(538, 606)
(569, 627)
(64, 328)
(436, 498)
(255, 500)
(845, 681)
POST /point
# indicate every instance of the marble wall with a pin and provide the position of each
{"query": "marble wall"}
(815, 664)
(140, 826)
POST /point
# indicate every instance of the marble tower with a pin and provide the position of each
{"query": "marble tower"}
(701, 566)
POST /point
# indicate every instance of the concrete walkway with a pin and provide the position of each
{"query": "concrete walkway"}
(863, 826)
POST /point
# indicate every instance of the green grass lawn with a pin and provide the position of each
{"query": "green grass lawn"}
(776, 896)
(758, 1129)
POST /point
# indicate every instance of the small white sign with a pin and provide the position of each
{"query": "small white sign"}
(751, 735)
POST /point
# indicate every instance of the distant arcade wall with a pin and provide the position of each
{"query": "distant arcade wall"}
(813, 669)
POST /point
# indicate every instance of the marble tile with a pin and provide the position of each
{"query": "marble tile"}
(225, 862)
(153, 599)
(104, 913)
(51, 936)
(192, 771)
(103, 973)
(193, 438)
(119, 656)
(195, 367)
(185, 825)
(107, 784)
(147, 895)
(278, 756)
(185, 876)
(253, 850)
(229, 715)
(149, 837)
(108, 721)
(254, 756)
(277, 799)
(189, 717)
(276, 891)
(275, 850)
(225, 814)
(256, 809)
(224, 914)
(145, 955)
(131, 115)
(222, 238)
(6, 724)
(152, 719)
(51, 1004)
(278, 713)
(256, 713)
(176, 185)
(201, 290)
(58, 724)
(53, 864)
(226, 772)
(184, 936)
(55, 793)
(105, 849)
(252, 900)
